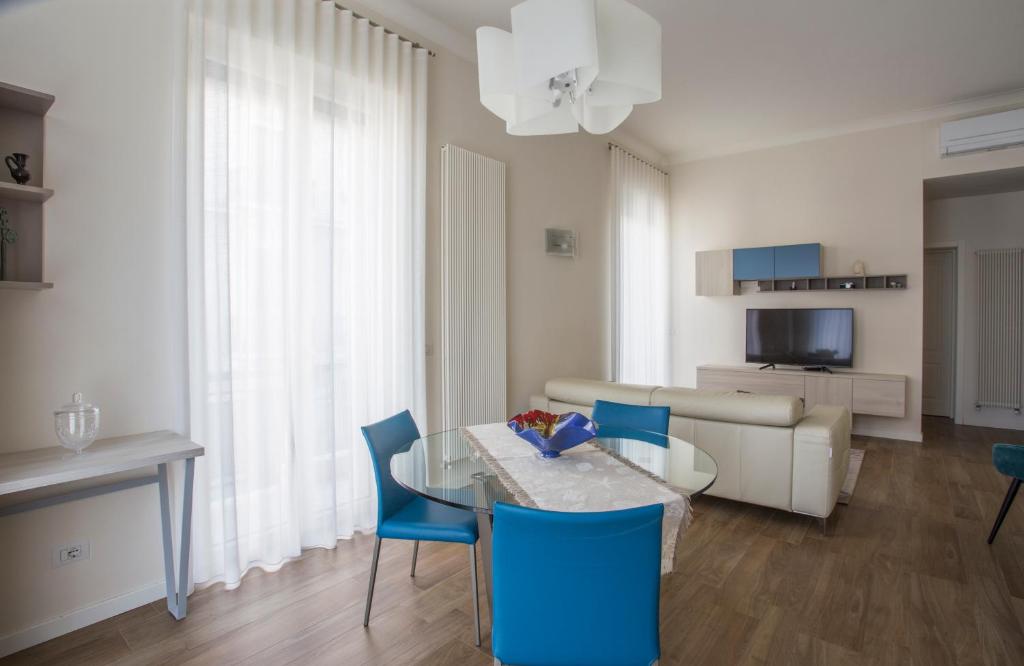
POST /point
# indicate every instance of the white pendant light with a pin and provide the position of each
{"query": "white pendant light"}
(568, 63)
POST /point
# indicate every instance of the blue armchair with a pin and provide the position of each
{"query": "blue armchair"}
(1008, 459)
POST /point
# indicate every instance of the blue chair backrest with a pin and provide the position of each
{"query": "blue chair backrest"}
(1009, 459)
(384, 439)
(576, 588)
(640, 417)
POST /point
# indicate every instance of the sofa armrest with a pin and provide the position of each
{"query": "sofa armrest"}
(540, 402)
(821, 457)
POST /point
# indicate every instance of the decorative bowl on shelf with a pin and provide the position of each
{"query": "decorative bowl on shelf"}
(77, 424)
(551, 433)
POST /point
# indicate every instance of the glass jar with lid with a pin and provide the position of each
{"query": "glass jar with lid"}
(77, 424)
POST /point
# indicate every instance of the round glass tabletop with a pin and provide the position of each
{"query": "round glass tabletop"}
(447, 468)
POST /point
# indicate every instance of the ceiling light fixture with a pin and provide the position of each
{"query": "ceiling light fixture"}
(568, 63)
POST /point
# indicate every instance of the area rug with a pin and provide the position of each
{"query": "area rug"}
(856, 458)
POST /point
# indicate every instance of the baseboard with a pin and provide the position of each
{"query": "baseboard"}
(81, 617)
(889, 434)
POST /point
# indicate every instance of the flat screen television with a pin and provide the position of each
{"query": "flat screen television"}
(809, 337)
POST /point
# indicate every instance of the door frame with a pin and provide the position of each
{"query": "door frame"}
(959, 335)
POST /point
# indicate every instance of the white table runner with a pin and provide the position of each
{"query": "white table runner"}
(584, 478)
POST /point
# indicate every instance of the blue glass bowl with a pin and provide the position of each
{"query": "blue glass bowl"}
(571, 429)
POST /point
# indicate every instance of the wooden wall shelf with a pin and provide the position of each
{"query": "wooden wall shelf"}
(22, 99)
(23, 130)
(15, 192)
(860, 283)
(29, 286)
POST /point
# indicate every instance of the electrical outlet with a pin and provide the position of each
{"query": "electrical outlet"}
(74, 552)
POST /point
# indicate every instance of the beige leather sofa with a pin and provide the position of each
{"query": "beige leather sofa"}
(768, 451)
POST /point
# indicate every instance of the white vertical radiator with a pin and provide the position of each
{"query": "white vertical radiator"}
(1000, 318)
(472, 288)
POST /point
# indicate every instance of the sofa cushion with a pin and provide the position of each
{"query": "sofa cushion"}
(731, 406)
(586, 391)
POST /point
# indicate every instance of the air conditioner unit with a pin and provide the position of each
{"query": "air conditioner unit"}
(990, 132)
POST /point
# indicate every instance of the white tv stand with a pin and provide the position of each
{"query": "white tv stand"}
(860, 392)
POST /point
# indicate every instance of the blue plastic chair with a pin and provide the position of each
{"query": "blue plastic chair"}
(1008, 459)
(576, 588)
(404, 515)
(638, 417)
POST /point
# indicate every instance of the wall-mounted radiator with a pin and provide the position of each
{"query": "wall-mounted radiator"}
(1000, 319)
(472, 288)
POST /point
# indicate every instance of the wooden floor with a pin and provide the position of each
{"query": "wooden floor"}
(904, 577)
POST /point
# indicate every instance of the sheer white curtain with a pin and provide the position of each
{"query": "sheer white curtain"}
(640, 271)
(306, 162)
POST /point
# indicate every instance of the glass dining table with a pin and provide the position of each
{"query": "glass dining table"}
(445, 467)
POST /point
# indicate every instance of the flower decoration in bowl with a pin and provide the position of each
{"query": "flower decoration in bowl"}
(550, 433)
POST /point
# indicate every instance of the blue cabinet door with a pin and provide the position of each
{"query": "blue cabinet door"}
(798, 261)
(753, 263)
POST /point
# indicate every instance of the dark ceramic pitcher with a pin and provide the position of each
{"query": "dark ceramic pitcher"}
(16, 163)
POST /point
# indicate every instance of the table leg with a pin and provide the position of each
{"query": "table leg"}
(483, 523)
(177, 593)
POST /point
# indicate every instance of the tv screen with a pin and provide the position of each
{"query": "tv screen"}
(822, 336)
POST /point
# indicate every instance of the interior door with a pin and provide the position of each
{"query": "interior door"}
(939, 332)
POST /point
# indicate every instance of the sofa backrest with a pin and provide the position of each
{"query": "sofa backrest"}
(731, 406)
(725, 406)
(586, 391)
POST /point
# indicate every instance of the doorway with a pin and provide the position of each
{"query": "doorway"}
(938, 390)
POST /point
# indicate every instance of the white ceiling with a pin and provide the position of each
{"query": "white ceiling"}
(742, 74)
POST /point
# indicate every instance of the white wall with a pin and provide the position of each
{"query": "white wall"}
(113, 326)
(975, 223)
(557, 307)
(861, 196)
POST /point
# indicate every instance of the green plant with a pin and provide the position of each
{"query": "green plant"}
(8, 236)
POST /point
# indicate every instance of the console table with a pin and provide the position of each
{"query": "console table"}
(52, 466)
(859, 392)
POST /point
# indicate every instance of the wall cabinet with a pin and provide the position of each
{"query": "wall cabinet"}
(828, 390)
(782, 261)
(753, 263)
(859, 392)
(722, 378)
(879, 397)
(778, 268)
(714, 273)
(798, 261)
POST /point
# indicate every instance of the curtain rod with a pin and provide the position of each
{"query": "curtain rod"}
(387, 30)
(638, 159)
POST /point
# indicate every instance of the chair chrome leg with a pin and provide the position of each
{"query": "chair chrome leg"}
(476, 593)
(1007, 501)
(824, 525)
(415, 552)
(373, 579)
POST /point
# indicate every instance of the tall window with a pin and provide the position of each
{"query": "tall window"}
(306, 162)
(640, 272)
